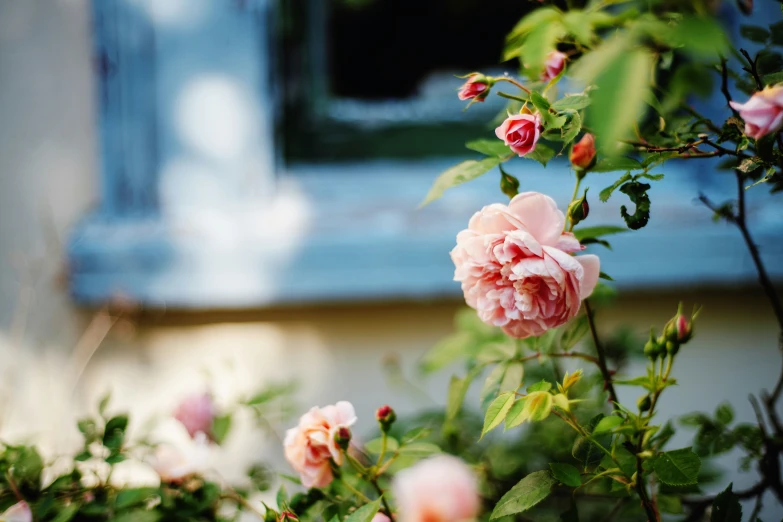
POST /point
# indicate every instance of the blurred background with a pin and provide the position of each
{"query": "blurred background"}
(222, 194)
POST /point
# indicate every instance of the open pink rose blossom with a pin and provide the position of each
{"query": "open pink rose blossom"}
(311, 446)
(515, 266)
(763, 112)
(196, 413)
(520, 132)
(438, 489)
(19, 512)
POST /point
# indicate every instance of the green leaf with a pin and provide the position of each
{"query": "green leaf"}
(516, 415)
(772, 79)
(572, 130)
(374, 446)
(512, 379)
(415, 434)
(607, 424)
(566, 474)
(492, 383)
(574, 332)
(678, 467)
(542, 385)
(571, 102)
(419, 449)
(616, 163)
(724, 413)
(776, 30)
(654, 177)
(527, 493)
(66, 513)
(700, 36)
(541, 154)
(489, 147)
(598, 231)
(459, 174)
(448, 350)
(539, 43)
(282, 497)
(754, 33)
(127, 498)
(670, 504)
(220, 427)
(578, 23)
(365, 513)
(604, 275)
(612, 116)
(114, 433)
(270, 393)
(726, 507)
(606, 193)
(539, 102)
(138, 515)
(104, 403)
(497, 411)
(458, 387)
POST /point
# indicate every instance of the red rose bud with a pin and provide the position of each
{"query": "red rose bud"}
(476, 88)
(287, 516)
(583, 153)
(386, 417)
(342, 438)
(578, 209)
(679, 329)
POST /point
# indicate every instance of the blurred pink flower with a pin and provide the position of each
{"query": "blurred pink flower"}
(175, 464)
(380, 517)
(520, 132)
(19, 512)
(196, 413)
(763, 113)
(311, 446)
(555, 63)
(514, 265)
(583, 152)
(438, 489)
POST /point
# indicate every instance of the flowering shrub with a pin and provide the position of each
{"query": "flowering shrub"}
(534, 297)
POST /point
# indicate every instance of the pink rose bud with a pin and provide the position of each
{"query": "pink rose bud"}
(583, 153)
(515, 266)
(19, 512)
(287, 516)
(342, 438)
(579, 209)
(476, 88)
(441, 488)
(196, 413)
(555, 63)
(386, 417)
(520, 132)
(763, 113)
(311, 447)
(380, 517)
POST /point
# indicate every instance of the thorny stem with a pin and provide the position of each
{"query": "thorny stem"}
(752, 70)
(601, 356)
(513, 82)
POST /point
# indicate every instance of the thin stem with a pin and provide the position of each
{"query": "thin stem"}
(356, 492)
(513, 82)
(641, 489)
(510, 96)
(753, 70)
(601, 356)
(724, 86)
(231, 495)
(575, 355)
(386, 506)
(384, 440)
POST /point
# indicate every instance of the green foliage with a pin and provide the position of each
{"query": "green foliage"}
(726, 507)
(678, 467)
(365, 513)
(566, 474)
(466, 171)
(527, 493)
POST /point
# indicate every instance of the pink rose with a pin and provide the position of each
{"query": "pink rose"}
(196, 413)
(380, 517)
(555, 63)
(476, 88)
(175, 464)
(19, 512)
(514, 265)
(583, 152)
(763, 113)
(520, 132)
(438, 489)
(311, 446)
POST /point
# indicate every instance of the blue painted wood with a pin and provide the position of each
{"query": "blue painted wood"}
(125, 65)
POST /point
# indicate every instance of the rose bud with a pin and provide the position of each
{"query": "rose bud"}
(583, 153)
(509, 185)
(644, 403)
(476, 88)
(555, 63)
(679, 329)
(386, 417)
(342, 438)
(270, 515)
(196, 413)
(763, 113)
(287, 516)
(520, 132)
(653, 349)
(578, 209)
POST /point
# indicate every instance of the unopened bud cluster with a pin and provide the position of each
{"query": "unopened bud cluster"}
(677, 332)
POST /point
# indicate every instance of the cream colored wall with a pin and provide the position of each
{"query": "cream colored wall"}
(48, 179)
